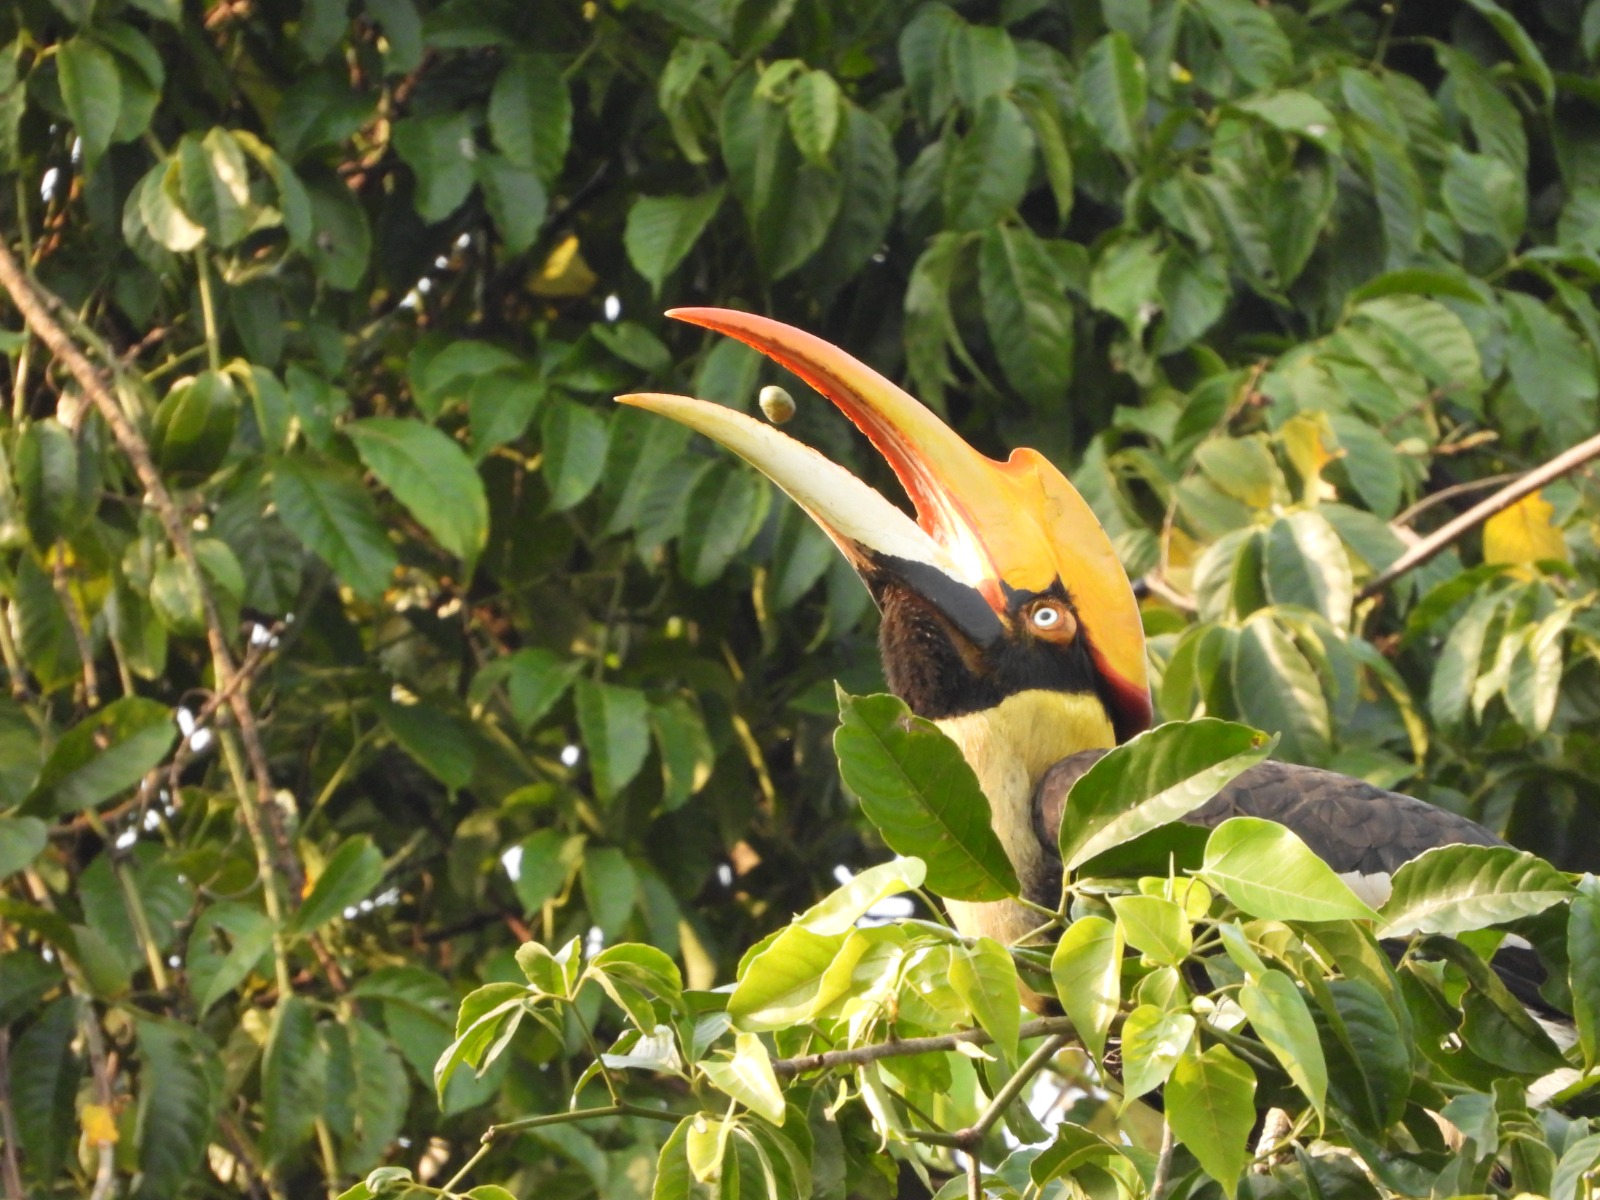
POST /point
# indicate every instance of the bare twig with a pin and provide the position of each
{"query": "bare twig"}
(1158, 1185)
(1562, 464)
(788, 1068)
(10, 1170)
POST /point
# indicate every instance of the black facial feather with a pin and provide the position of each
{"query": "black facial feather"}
(941, 673)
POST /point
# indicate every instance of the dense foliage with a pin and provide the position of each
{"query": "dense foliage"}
(362, 657)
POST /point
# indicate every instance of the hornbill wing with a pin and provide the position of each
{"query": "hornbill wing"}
(1352, 826)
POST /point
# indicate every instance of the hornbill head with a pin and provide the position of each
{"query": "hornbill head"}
(1007, 617)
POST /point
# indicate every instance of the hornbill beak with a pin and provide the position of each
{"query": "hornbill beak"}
(987, 534)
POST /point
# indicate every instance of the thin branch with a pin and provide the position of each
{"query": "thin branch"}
(1031, 1066)
(788, 1068)
(974, 1178)
(10, 1170)
(1158, 1185)
(38, 307)
(1562, 464)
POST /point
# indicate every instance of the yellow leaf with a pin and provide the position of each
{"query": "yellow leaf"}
(1524, 534)
(99, 1124)
(564, 273)
(1306, 439)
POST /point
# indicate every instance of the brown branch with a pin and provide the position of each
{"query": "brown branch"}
(38, 307)
(1158, 1185)
(1562, 464)
(10, 1170)
(788, 1068)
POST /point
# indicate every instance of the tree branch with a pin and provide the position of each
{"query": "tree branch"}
(788, 1068)
(38, 307)
(10, 1171)
(1562, 464)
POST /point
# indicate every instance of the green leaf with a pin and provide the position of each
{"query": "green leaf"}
(726, 508)
(1086, 968)
(662, 230)
(378, 1100)
(433, 147)
(1485, 196)
(986, 172)
(1552, 371)
(1210, 1103)
(294, 1069)
(1270, 873)
(45, 1074)
(610, 887)
(1050, 134)
(839, 911)
(351, 874)
(1126, 281)
(816, 106)
(432, 476)
(915, 786)
(47, 473)
(91, 88)
(1583, 958)
(615, 722)
(104, 755)
(516, 200)
(1159, 776)
(789, 203)
(574, 437)
(985, 978)
(1112, 92)
(687, 755)
(439, 740)
(1029, 316)
(748, 1078)
(983, 62)
(1252, 42)
(214, 184)
(194, 426)
(542, 869)
(179, 1078)
(530, 114)
(1155, 926)
(1152, 1043)
(1280, 1018)
(1454, 889)
(783, 985)
(536, 679)
(22, 839)
(1522, 45)
(1276, 689)
(334, 517)
(216, 968)
(1306, 564)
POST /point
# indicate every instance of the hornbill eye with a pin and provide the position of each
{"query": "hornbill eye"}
(1052, 621)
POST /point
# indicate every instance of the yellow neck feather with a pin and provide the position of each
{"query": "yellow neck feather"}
(1010, 747)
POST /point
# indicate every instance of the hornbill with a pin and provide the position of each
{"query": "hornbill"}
(1008, 621)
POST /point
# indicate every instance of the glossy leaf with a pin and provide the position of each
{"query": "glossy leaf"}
(1454, 889)
(1211, 1107)
(1270, 873)
(916, 788)
(1159, 776)
(1086, 968)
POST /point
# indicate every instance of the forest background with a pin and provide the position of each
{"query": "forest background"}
(352, 636)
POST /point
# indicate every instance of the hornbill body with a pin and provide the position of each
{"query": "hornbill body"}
(1008, 620)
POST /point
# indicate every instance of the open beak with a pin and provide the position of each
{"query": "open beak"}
(985, 530)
